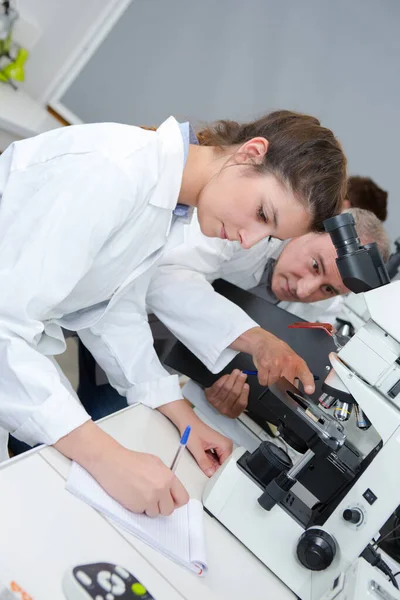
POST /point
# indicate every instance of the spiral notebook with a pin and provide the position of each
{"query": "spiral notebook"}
(179, 536)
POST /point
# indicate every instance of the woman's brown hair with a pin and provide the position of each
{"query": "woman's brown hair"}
(302, 155)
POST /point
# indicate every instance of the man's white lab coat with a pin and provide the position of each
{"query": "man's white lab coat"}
(85, 212)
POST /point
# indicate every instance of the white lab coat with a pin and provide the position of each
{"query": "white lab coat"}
(85, 213)
(180, 293)
(324, 311)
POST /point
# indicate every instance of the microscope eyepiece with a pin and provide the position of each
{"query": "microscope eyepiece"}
(343, 233)
(361, 267)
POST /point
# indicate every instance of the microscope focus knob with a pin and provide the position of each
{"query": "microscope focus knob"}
(352, 515)
(316, 549)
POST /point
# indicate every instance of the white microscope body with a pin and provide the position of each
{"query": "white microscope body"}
(368, 368)
(361, 581)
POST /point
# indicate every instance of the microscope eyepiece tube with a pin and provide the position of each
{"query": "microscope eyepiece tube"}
(361, 267)
(342, 410)
(343, 233)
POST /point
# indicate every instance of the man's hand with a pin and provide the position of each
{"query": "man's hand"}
(273, 358)
(209, 448)
(140, 482)
(230, 394)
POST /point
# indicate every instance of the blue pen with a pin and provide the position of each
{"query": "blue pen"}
(182, 446)
(316, 377)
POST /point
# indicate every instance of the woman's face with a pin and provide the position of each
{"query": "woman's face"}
(246, 207)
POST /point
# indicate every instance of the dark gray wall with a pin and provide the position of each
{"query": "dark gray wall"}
(208, 59)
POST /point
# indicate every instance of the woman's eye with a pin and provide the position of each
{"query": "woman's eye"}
(315, 265)
(262, 215)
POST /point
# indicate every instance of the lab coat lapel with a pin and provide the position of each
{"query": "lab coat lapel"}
(164, 197)
(170, 161)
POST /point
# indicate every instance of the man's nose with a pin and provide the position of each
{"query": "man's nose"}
(250, 238)
(306, 287)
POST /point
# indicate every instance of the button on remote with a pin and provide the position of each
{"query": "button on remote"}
(83, 578)
(138, 589)
(122, 572)
(118, 586)
(104, 580)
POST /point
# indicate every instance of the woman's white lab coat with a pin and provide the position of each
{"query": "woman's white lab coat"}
(181, 295)
(84, 214)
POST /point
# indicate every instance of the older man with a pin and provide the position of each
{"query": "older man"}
(297, 274)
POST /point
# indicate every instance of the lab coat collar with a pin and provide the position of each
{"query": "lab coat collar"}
(276, 246)
(186, 219)
(170, 165)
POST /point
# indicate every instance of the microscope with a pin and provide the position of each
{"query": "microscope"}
(354, 311)
(309, 513)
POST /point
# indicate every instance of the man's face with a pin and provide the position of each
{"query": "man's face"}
(306, 270)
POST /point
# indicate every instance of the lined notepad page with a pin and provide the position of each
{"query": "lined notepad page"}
(179, 536)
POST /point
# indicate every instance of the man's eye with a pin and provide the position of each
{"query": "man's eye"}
(315, 265)
(328, 290)
(261, 215)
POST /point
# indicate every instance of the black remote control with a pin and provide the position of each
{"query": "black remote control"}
(103, 581)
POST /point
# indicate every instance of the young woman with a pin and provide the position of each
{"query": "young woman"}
(85, 212)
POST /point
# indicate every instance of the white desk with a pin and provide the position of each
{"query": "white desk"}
(21, 116)
(45, 531)
(234, 572)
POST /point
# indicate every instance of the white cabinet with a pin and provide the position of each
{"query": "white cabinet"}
(21, 116)
(6, 138)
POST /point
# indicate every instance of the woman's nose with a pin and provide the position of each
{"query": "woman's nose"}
(250, 238)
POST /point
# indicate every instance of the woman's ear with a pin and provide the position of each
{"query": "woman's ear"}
(254, 150)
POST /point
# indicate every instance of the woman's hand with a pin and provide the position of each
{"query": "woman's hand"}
(209, 448)
(140, 482)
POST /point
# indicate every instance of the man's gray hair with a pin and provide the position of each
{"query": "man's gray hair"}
(370, 229)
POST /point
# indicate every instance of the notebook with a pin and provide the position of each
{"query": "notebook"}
(179, 536)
